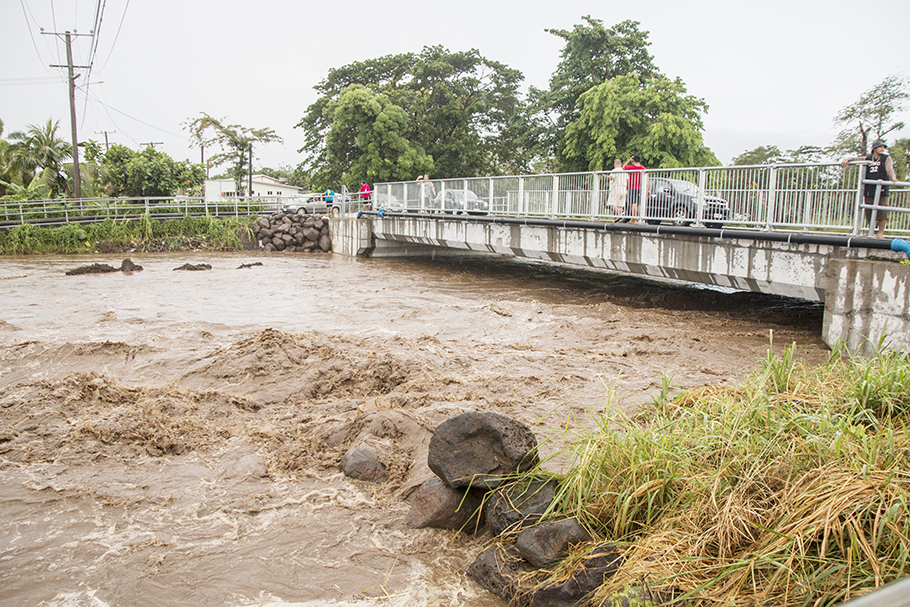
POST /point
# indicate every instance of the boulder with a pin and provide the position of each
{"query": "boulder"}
(548, 542)
(480, 450)
(518, 505)
(439, 506)
(361, 462)
(325, 243)
(127, 265)
(588, 577)
(498, 570)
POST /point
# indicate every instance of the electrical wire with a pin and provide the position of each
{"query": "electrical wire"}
(27, 12)
(119, 27)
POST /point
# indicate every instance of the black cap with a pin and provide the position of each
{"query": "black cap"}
(878, 143)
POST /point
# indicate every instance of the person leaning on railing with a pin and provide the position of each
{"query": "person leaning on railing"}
(880, 167)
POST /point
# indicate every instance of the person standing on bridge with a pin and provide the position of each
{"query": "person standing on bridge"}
(619, 180)
(881, 167)
(637, 183)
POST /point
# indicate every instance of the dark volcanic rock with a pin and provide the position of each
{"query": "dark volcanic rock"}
(480, 450)
(194, 267)
(547, 542)
(588, 577)
(498, 569)
(518, 505)
(126, 265)
(439, 506)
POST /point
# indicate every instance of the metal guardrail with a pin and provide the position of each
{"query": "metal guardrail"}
(817, 196)
(91, 210)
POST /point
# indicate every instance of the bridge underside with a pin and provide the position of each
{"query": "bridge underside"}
(862, 302)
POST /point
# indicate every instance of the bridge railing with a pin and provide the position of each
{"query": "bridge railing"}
(90, 210)
(819, 196)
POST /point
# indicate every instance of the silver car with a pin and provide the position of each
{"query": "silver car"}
(459, 201)
(315, 203)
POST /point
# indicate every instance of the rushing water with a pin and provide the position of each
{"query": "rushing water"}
(238, 366)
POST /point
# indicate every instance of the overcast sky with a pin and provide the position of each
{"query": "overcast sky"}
(772, 72)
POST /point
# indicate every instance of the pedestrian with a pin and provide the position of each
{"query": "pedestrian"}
(880, 167)
(619, 181)
(365, 195)
(427, 190)
(637, 183)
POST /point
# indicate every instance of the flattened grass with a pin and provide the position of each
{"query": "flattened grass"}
(790, 489)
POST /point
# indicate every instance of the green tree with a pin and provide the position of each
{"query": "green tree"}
(148, 173)
(233, 140)
(592, 55)
(763, 154)
(900, 152)
(460, 109)
(368, 140)
(40, 148)
(872, 114)
(658, 121)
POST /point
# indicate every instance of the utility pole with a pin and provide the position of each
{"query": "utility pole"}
(251, 169)
(77, 176)
(152, 144)
(107, 145)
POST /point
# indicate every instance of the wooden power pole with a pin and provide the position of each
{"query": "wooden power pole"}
(77, 176)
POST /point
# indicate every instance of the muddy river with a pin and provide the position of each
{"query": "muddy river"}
(174, 437)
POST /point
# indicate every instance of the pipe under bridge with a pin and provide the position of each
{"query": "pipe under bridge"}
(865, 290)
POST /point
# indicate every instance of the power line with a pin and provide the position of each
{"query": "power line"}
(26, 13)
(116, 37)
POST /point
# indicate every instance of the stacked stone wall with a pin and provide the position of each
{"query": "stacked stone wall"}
(293, 232)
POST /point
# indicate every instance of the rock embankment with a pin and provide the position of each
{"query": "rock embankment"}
(293, 232)
(475, 457)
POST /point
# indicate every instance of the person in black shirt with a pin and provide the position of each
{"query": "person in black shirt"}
(880, 166)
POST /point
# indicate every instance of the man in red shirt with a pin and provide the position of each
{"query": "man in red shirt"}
(636, 184)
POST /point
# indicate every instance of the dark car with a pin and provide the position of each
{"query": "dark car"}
(459, 201)
(677, 200)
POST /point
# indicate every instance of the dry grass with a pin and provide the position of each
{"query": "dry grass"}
(791, 489)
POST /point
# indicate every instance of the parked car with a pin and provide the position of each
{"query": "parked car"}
(459, 201)
(677, 201)
(387, 201)
(314, 203)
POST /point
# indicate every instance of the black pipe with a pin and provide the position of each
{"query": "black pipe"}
(723, 233)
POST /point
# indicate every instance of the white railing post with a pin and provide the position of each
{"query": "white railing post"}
(772, 197)
(521, 195)
(700, 200)
(857, 207)
(464, 192)
(490, 197)
(595, 191)
(554, 207)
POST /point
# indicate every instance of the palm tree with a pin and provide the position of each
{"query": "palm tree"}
(40, 147)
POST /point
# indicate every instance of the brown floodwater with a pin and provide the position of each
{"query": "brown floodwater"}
(174, 437)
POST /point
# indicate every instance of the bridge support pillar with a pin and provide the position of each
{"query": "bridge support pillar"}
(866, 305)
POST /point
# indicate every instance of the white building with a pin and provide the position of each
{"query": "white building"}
(225, 190)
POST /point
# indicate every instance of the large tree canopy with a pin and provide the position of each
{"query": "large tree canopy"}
(39, 147)
(592, 55)
(456, 109)
(147, 173)
(657, 120)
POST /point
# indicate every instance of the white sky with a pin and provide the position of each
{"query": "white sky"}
(772, 72)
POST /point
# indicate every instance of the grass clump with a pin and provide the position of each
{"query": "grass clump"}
(143, 234)
(790, 489)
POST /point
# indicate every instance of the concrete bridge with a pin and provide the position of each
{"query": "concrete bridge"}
(865, 290)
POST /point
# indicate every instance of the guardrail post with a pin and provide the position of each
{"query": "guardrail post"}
(857, 207)
(555, 204)
(490, 197)
(700, 200)
(772, 197)
(464, 192)
(595, 192)
(521, 195)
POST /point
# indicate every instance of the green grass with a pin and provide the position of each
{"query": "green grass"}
(790, 489)
(140, 235)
